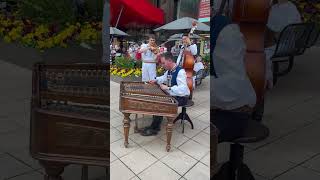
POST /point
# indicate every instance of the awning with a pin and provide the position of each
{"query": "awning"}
(135, 11)
(184, 23)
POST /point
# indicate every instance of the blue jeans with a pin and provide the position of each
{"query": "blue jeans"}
(231, 125)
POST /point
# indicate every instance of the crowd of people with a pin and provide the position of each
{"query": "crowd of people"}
(174, 81)
(148, 52)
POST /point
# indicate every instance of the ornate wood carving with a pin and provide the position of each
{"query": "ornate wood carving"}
(142, 98)
(82, 137)
(70, 116)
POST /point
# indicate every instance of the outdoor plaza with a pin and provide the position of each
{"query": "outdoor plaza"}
(292, 113)
(291, 152)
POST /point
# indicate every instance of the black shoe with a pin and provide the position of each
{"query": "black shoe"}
(148, 131)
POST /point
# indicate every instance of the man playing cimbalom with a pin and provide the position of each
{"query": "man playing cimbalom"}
(176, 85)
(149, 56)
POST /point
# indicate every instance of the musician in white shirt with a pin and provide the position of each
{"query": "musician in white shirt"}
(149, 66)
(232, 94)
(186, 46)
(175, 79)
(196, 68)
(277, 21)
(198, 65)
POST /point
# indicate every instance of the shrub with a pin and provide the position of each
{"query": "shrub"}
(94, 9)
(125, 63)
(48, 11)
(206, 58)
(138, 64)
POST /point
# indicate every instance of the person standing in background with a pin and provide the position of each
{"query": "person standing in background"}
(276, 23)
(175, 50)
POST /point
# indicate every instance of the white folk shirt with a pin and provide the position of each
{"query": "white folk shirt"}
(198, 66)
(281, 15)
(232, 88)
(147, 56)
(192, 48)
(181, 89)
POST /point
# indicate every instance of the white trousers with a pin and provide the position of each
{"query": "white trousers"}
(149, 71)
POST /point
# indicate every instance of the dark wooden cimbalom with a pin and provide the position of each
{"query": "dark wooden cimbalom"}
(149, 99)
(70, 116)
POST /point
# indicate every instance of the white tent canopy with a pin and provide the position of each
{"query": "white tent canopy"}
(179, 36)
(115, 31)
(183, 23)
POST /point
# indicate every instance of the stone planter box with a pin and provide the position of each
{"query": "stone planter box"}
(25, 57)
(118, 79)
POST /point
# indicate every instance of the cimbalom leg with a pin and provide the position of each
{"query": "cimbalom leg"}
(126, 127)
(169, 133)
(53, 170)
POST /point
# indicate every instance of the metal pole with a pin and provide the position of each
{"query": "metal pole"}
(105, 33)
(119, 17)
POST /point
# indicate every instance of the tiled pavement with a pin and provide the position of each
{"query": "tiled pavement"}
(146, 157)
(292, 112)
(291, 152)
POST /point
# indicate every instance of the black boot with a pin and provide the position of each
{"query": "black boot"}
(258, 112)
(154, 128)
(156, 123)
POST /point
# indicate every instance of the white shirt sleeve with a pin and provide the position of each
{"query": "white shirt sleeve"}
(181, 89)
(193, 49)
(198, 66)
(162, 79)
(179, 57)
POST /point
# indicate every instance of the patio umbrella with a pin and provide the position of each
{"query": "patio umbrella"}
(183, 23)
(124, 12)
(115, 31)
(179, 36)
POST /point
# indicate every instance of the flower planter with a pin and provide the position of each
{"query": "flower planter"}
(118, 79)
(25, 57)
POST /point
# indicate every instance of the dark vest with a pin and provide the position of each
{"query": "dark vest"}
(172, 76)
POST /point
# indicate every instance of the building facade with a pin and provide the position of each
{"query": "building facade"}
(175, 9)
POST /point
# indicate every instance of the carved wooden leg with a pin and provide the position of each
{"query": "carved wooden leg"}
(108, 173)
(136, 128)
(85, 173)
(53, 170)
(169, 133)
(126, 127)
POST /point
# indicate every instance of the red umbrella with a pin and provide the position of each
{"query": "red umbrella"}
(124, 12)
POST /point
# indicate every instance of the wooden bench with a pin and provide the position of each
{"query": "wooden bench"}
(70, 117)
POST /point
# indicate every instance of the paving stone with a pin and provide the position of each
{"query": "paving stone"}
(300, 173)
(11, 167)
